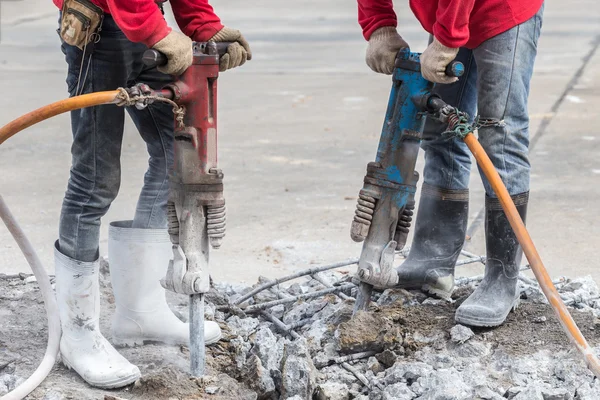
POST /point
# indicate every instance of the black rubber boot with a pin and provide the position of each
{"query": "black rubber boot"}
(439, 238)
(497, 294)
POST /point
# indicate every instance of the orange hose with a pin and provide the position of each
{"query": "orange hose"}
(59, 107)
(535, 261)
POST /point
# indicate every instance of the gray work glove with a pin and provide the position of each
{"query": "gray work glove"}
(434, 61)
(384, 45)
(178, 49)
(237, 52)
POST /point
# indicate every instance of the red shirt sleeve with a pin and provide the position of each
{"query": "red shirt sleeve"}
(140, 20)
(451, 26)
(373, 14)
(196, 18)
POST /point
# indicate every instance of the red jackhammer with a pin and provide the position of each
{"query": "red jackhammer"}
(196, 207)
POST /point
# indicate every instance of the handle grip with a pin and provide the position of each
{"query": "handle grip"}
(154, 58)
(455, 68)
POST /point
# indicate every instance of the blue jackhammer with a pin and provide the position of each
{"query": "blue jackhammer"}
(386, 201)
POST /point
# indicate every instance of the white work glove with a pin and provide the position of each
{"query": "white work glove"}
(383, 48)
(237, 52)
(434, 61)
(178, 49)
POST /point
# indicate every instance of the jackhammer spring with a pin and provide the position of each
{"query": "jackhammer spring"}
(363, 217)
(215, 221)
(405, 217)
(403, 226)
(173, 222)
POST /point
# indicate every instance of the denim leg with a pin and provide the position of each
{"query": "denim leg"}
(97, 136)
(448, 160)
(505, 65)
(155, 124)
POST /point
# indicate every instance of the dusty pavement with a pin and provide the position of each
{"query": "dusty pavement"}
(298, 125)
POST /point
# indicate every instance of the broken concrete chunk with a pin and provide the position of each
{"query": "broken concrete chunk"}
(240, 350)
(296, 289)
(368, 332)
(529, 393)
(315, 334)
(387, 358)
(332, 391)
(374, 365)
(460, 334)
(397, 296)
(442, 384)
(298, 372)
(259, 379)
(268, 348)
(243, 327)
(432, 302)
(278, 311)
(407, 372)
(485, 393)
(303, 310)
(398, 391)
(556, 394)
(472, 349)
(211, 389)
(589, 391)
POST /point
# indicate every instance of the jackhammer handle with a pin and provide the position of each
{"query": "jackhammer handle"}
(152, 58)
(455, 68)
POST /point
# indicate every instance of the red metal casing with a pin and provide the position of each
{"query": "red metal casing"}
(196, 90)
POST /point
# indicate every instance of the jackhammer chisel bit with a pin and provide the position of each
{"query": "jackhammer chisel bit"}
(196, 208)
(386, 200)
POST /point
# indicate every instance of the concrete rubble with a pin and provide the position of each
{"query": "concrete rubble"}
(406, 347)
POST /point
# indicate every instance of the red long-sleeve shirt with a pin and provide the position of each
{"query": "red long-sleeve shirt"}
(142, 21)
(455, 23)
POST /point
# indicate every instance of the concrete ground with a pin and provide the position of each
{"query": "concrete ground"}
(298, 125)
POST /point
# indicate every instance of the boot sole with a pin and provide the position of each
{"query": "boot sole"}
(134, 342)
(442, 294)
(483, 322)
(112, 384)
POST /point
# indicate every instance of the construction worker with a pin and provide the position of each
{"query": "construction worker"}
(496, 40)
(103, 42)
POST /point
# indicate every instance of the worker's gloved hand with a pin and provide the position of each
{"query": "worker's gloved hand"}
(237, 52)
(178, 49)
(384, 45)
(434, 61)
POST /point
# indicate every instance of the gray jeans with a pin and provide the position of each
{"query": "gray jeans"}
(97, 137)
(496, 87)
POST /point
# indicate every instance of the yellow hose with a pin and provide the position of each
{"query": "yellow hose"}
(535, 261)
(54, 330)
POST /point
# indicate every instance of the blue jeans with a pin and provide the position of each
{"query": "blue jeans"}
(495, 86)
(97, 137)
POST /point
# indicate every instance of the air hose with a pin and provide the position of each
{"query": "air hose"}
(112, 97)
(535, 261)
(54, 330)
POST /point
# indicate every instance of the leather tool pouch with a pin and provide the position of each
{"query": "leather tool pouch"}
(81, 22)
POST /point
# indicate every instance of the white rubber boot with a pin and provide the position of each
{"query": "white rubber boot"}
(138, 259)
(82, 346)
